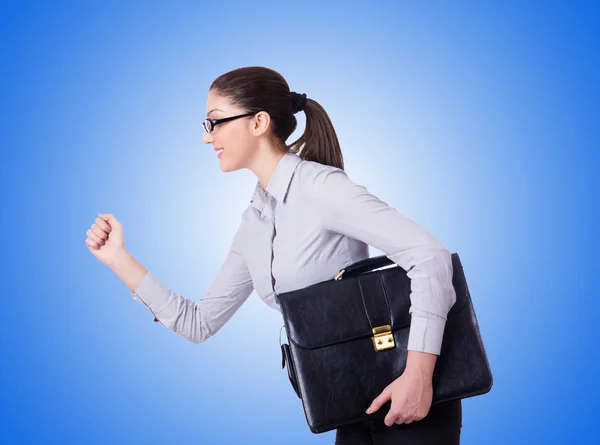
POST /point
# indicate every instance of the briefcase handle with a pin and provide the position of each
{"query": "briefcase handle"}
(365, 265)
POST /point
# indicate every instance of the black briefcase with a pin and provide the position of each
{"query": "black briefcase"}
(347, 340)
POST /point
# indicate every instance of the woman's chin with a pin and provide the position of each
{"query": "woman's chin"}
(228, 167)
(225, 167)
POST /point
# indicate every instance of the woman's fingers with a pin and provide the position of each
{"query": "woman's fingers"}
(92, 244)
(95, 237)
(108, 232)
(99, 232)
(103, 224)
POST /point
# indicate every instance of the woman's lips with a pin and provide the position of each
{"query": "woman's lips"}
(219, 152)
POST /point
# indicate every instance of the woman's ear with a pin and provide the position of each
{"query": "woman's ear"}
(261, 123)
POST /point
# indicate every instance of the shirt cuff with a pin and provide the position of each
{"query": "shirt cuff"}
(426, 334)
(153, 294)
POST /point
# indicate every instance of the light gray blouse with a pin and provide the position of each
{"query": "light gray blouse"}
(309, 223)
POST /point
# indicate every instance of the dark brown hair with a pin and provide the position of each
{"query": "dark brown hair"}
(256, 88)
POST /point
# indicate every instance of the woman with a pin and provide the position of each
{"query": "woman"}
(311, 220)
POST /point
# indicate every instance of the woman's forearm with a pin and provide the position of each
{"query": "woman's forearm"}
(128, 269)
(422, 362)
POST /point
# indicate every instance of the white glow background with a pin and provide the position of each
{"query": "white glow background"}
(477, 122)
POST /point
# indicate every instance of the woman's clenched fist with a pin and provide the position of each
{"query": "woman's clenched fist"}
(105, 238)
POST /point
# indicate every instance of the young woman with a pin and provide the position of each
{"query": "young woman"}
(311, 220)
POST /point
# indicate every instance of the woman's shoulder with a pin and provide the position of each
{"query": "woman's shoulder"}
(312, 173)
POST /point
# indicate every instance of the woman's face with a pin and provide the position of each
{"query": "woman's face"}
(237, 137)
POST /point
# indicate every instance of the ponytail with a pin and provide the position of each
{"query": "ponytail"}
(319, 138)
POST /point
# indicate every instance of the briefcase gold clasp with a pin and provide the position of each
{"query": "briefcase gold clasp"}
(383, 338)
(339, 275)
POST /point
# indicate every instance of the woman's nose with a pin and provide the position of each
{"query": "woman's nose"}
(206, 138)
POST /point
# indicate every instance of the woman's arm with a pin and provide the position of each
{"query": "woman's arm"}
(195, 321)
(348, 208)
(128, 269)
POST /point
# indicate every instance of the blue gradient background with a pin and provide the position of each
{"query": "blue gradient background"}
(479, 121)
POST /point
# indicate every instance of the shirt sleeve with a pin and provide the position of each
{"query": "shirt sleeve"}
(348, 208)
(200, 320)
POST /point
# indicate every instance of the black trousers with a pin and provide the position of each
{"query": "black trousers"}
(441, 426)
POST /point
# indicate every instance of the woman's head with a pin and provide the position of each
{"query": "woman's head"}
(265, 95)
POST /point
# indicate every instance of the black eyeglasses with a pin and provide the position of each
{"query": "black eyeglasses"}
(209, 124)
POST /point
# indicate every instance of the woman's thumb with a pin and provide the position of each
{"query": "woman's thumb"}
(109, 218)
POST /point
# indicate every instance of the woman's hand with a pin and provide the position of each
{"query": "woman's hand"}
(105, 238)
(411, 395)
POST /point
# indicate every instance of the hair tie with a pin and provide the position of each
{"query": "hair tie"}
(298, 101)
